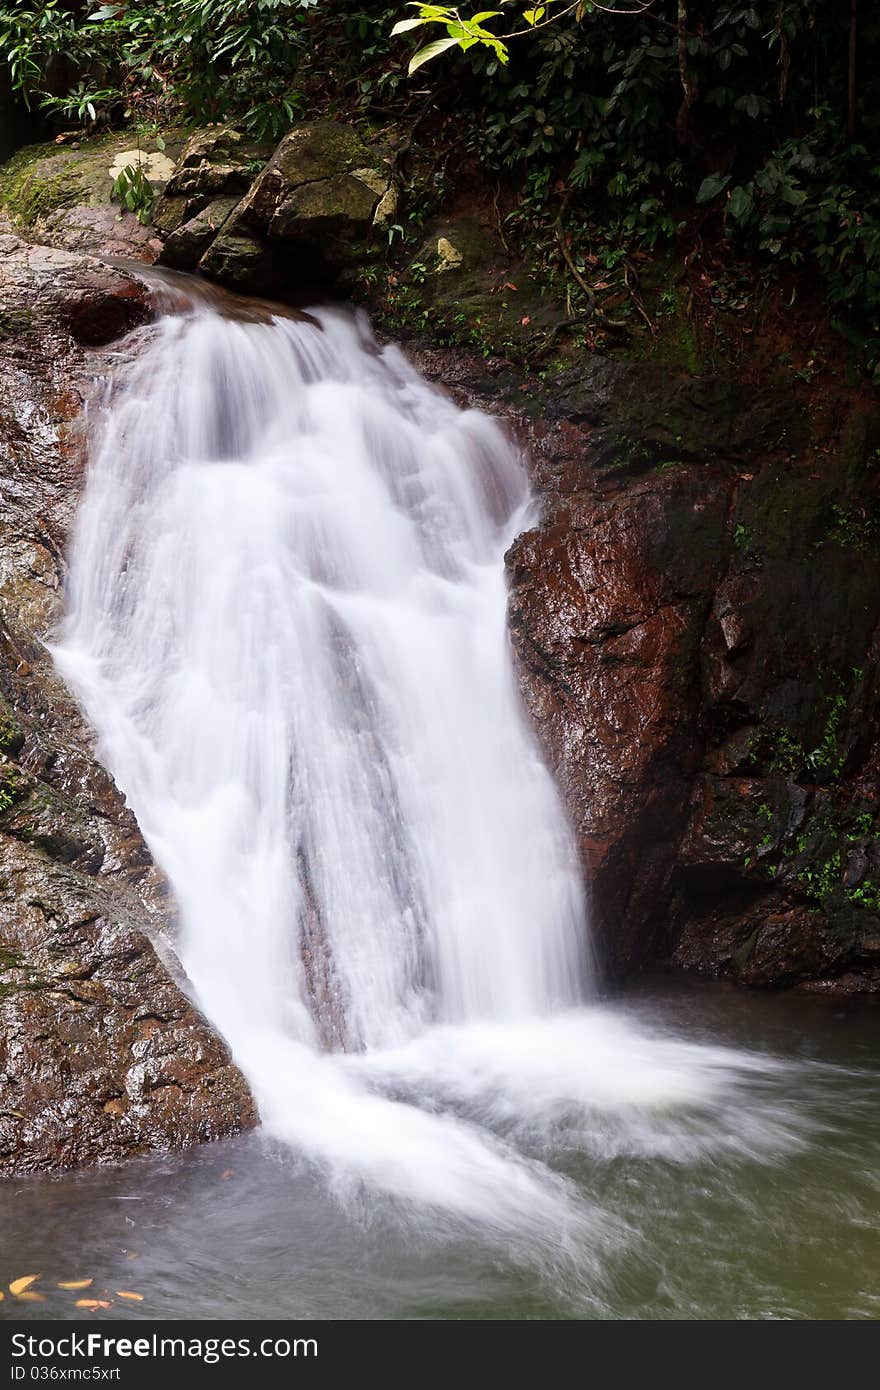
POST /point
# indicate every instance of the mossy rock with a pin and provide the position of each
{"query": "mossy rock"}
(217, 166)
(323, 150)
(239, 260)
(188, 242)
(313, 217)
(42, 185)
(462, 287)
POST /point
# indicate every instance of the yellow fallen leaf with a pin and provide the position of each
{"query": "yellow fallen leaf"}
(92, 1303)
(76, 1284)
(125, 1293)
(2, 1295)
(30, 1297)
(18, 1286)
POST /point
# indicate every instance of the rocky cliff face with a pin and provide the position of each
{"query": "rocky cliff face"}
(697, 624)
(101, 1052)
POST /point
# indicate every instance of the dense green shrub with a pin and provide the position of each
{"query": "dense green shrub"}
(208, 59)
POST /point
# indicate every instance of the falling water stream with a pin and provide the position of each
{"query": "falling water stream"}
(287, 627)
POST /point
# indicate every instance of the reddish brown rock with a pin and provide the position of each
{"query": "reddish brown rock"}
(696, 620)
(101, 1052)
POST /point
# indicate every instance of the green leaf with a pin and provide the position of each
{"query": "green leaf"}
(431, 50)
(404, 25)
(741, 202)
(711, 187)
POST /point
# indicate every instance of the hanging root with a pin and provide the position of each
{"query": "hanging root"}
(592, 313)
(632, 287)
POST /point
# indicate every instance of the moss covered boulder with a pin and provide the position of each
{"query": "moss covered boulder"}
(62, 194)
(312, 218)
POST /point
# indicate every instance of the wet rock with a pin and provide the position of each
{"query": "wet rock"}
(187, 243)
(606, 613)
(696, 620)
(101, 1052)
(216, 167)
(697, 635)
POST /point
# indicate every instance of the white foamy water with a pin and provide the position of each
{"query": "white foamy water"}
(287, 626)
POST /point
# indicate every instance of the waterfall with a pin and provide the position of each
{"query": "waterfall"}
(287, 626)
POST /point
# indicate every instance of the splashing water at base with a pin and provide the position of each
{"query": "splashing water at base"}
(287, 625)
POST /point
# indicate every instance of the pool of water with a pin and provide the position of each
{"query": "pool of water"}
(780, 1218)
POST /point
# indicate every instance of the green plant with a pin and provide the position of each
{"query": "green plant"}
(468, 31)
(746, 542)
(133, 190)
(10, 785)
(11, 736)
(31, 37)
(861, 826)
(83, 103)
(828, 757)
(858, 529)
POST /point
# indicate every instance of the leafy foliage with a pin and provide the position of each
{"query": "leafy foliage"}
(756, 120)
(133, 190)
(467, 31)
(211, 59)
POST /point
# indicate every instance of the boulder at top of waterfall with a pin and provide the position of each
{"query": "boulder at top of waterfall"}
(62, 194)
(217, 164)
(310, 218)
(189, 240)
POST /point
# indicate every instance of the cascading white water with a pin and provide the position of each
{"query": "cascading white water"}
(287, 625)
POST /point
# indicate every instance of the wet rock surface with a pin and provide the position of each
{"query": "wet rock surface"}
(101, 1052)
(696, 620)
